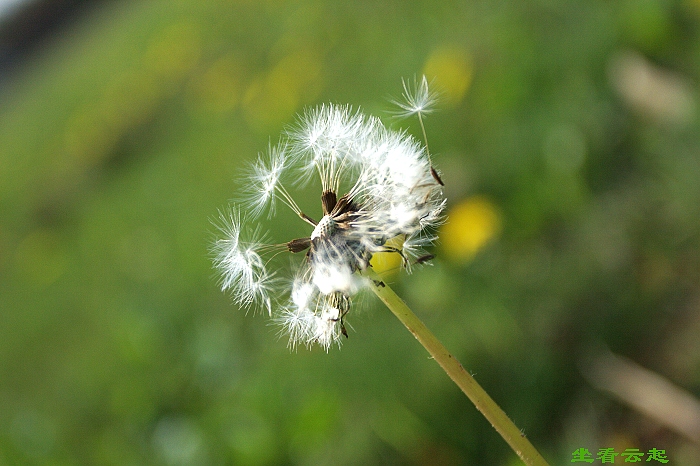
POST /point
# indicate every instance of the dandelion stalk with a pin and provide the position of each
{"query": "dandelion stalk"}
(483, 402)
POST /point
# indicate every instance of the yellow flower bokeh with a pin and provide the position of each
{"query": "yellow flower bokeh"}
(470, 225)
(453, 69)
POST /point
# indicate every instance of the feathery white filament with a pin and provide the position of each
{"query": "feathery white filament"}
(265, 182)
(243, 270)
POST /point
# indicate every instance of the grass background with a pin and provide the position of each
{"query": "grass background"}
(568, 138)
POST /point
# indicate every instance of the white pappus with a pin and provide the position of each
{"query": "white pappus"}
(390, 189)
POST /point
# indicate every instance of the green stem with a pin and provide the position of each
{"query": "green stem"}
(483, 402)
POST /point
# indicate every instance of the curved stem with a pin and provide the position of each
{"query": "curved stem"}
(483, 402)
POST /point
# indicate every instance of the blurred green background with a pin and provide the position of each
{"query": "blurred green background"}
(569, 141)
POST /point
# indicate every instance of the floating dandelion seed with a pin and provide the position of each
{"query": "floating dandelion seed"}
(390, 188)
(417, 99)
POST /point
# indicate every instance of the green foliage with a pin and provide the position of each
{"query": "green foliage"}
(122, 136)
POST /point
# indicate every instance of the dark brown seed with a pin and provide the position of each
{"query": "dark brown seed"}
(299, 244)
(425, 258)
(436, 176)
(328, 201)
(344, 205)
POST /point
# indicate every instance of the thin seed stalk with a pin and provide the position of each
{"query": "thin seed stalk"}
(483, 402)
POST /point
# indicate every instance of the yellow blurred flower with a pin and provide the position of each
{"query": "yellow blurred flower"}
(471, 224)
(453, 69)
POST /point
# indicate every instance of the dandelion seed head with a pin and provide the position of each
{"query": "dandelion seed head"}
(388, 190)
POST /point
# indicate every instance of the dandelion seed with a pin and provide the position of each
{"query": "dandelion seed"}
(425, 258)
(375, 183)
(264, 181)
(418, 98)
(414, 248)
(239, 260)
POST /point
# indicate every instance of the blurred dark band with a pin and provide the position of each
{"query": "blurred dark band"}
(30, 23)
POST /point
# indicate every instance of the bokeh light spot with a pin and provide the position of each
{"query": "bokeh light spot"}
(179, 440)
(470, 225)
(657, 92)
(452, 67)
